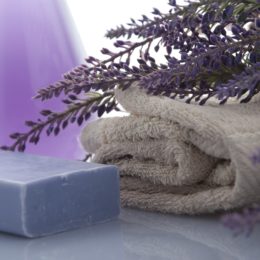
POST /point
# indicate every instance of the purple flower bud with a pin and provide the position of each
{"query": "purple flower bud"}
(135, 69)
(101, 110)
(169, 49)
(238, 57)
(156, 11)
(104, 51)
(133, 20)
(157, 47)
(253, 57)
(230, 60)
(208, 17)
(184, 55)
(205, 18)
(117, 65)
(145, 18)
(90, 59)
(235, 29)
(119, 43)
(257, 23)
(223, 32)
(228, 12)
(214, 38)
(205, 29)
(246, 33)
(172, 2)
(94, 108)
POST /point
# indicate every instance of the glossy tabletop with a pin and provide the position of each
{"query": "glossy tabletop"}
(138, 235)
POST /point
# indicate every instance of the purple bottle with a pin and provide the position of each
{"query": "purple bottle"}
(38, 43)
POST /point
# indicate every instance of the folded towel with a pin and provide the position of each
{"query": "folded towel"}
(180, 158)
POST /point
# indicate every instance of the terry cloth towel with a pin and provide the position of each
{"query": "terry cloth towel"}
(180, 158)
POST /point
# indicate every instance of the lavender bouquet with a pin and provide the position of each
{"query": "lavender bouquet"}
(196, 51)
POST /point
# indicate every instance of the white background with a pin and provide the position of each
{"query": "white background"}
(94, 17)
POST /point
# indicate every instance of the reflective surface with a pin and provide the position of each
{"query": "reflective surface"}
(38, 43)
(138, 235)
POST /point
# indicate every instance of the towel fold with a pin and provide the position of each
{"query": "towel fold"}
(180, 158)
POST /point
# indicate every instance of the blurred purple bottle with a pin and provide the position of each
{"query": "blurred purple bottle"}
(38, 43)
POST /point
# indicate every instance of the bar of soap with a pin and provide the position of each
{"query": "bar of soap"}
(41, 196)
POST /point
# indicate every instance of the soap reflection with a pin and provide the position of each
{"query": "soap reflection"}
(138, 235)
(98, 242)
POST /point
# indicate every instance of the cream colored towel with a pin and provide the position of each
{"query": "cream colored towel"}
(180, 158)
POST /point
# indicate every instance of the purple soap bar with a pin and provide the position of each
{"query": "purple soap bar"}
(41, 196)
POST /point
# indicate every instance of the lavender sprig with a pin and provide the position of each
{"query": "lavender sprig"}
(78, 111)
(248, 81)
(96, 74)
